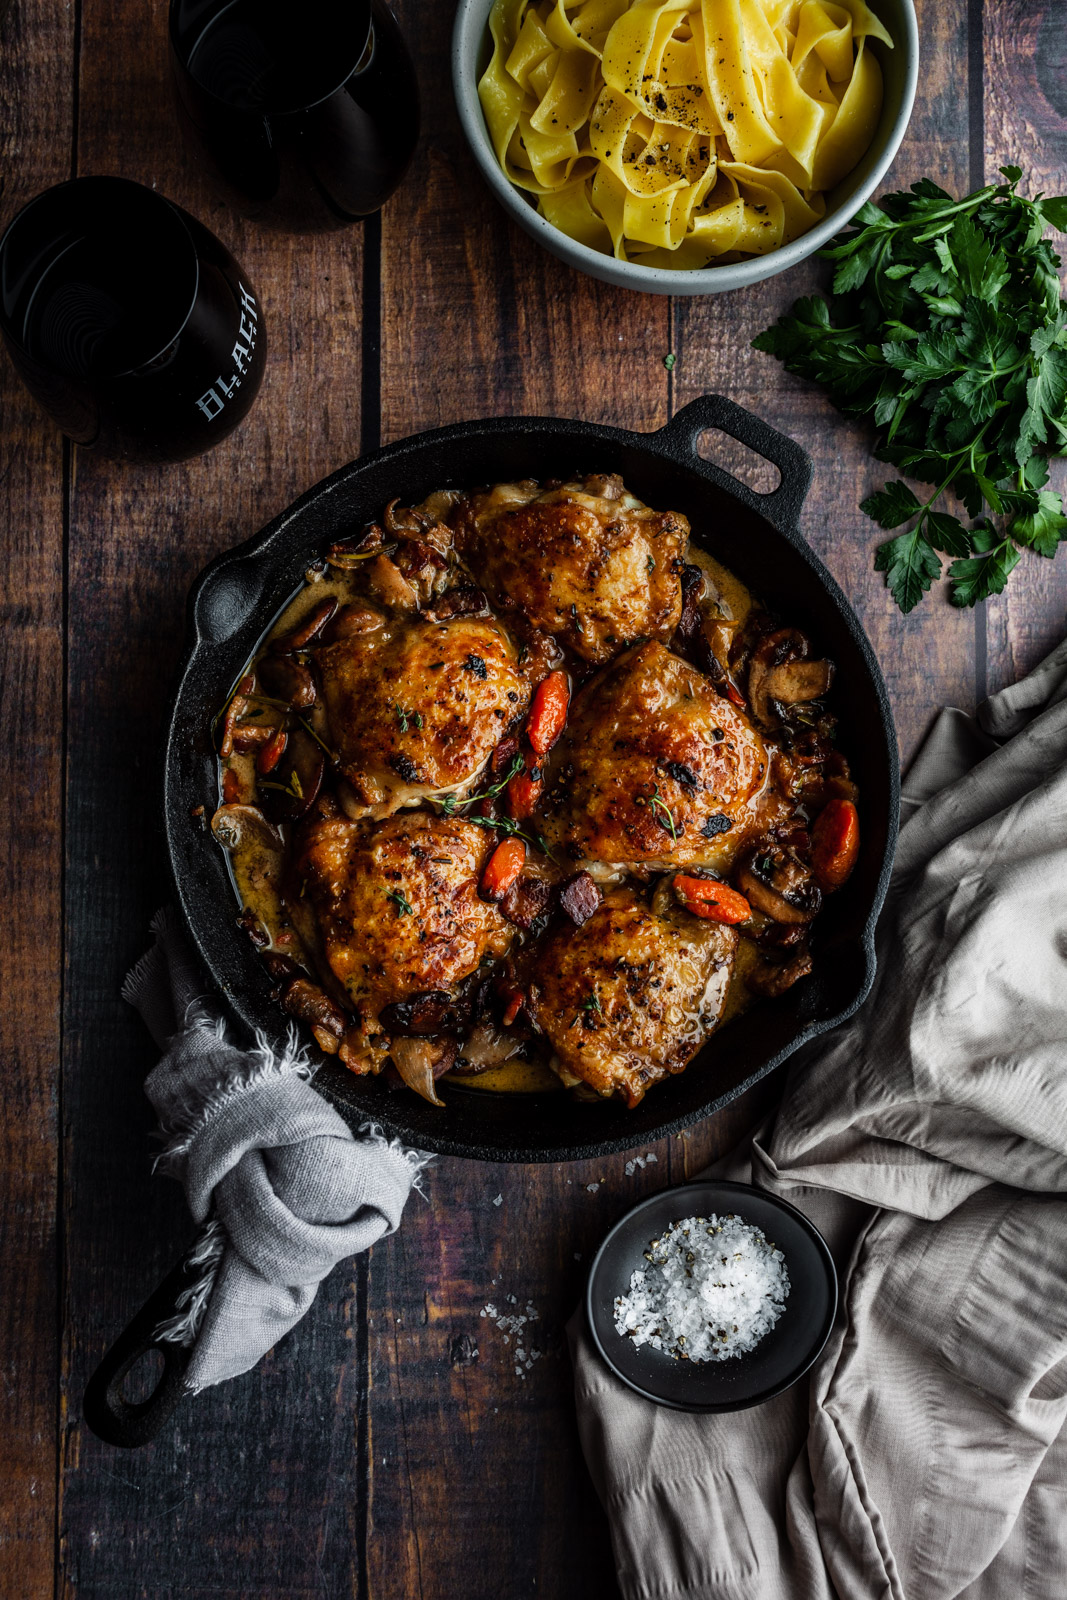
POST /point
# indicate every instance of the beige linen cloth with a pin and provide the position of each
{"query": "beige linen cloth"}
(926, 1456)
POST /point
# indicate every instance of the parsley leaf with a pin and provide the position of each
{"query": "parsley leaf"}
(986, 573)
(910, 567)
(946, 330)
(892, 505)
(1041, 525)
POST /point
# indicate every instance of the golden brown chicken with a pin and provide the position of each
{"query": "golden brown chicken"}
(654, 766)
(396, 911)
(586, 562)
(417, 706)
(631, 995)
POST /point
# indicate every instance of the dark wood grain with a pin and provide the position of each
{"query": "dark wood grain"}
(258, 1490)
(477, 320)
(1024, 62)
(36, 90)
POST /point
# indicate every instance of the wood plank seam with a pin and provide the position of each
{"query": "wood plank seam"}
(61, 1232)
(976, 163)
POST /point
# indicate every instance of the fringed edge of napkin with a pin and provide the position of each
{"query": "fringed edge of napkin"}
(264, 1061)
(183, 1327)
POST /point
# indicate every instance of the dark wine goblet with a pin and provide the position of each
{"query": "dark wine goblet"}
(129, 322)
(305, 111)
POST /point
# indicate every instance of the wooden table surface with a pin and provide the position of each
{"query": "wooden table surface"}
(389, 1447)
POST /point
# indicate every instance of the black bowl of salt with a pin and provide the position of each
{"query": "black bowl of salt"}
(711, 1297)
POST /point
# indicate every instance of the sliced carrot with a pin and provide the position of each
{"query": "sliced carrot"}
(272, 752)
(516, 1001)
(548, 714)
(835, 842)
(232, 791)
(708, 898)
(503, 868)
(523, 793)
(733, 693)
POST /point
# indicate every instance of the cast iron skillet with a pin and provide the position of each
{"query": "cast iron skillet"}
(232, 605)
(238, 596)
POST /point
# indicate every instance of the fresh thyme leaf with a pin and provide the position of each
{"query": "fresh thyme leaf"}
(501, 825)
(662, 813)
(946, 330)
(407, 718)
(331, 755)
(403, 906)
(668, 360)
(449, 802)
(294, 788)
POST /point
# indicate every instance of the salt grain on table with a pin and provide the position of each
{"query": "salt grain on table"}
(512, 1326)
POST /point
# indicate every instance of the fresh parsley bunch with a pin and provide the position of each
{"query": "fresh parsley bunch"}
(946, 327)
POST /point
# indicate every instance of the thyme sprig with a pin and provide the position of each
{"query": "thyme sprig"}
(449, 802)
(662, 813)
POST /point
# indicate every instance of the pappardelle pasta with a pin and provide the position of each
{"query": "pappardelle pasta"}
(675, 133)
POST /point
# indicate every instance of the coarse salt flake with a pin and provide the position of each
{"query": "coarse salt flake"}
(713, 1288)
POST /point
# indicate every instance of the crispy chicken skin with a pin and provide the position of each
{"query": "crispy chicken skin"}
(630, 996)
(595, 569)
(417, 706)
(396, 905)
(651, 747)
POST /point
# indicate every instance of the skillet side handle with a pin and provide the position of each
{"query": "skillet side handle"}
(129, 1424)
(682, 434)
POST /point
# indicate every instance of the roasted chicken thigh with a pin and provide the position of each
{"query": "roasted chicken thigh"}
(631, 995)
(587, 562)
(397, 911)
(655, 766)
(417, 706)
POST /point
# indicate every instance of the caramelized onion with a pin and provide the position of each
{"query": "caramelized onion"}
(414, 1060)
(486, 1047)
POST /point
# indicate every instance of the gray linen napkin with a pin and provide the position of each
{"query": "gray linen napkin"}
(926, 1458)
(283, 1186)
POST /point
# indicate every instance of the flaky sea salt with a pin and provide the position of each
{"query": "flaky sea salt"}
(714, 1286)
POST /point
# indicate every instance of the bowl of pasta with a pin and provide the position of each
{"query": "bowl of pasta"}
(684, 146)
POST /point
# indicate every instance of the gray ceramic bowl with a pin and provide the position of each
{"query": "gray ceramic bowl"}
(900, 68)
(782, 1356)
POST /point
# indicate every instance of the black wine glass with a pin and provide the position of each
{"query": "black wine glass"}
(305, 111)
(129, 322)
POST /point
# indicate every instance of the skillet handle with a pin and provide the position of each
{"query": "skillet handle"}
(783, 505)
(129, 1424)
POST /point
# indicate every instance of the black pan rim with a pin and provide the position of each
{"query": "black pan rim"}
(780, 510)
(692, 1191)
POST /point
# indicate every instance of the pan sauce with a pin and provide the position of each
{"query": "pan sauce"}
(726, 611)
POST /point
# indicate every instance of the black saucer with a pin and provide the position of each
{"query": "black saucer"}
(784, 1354)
